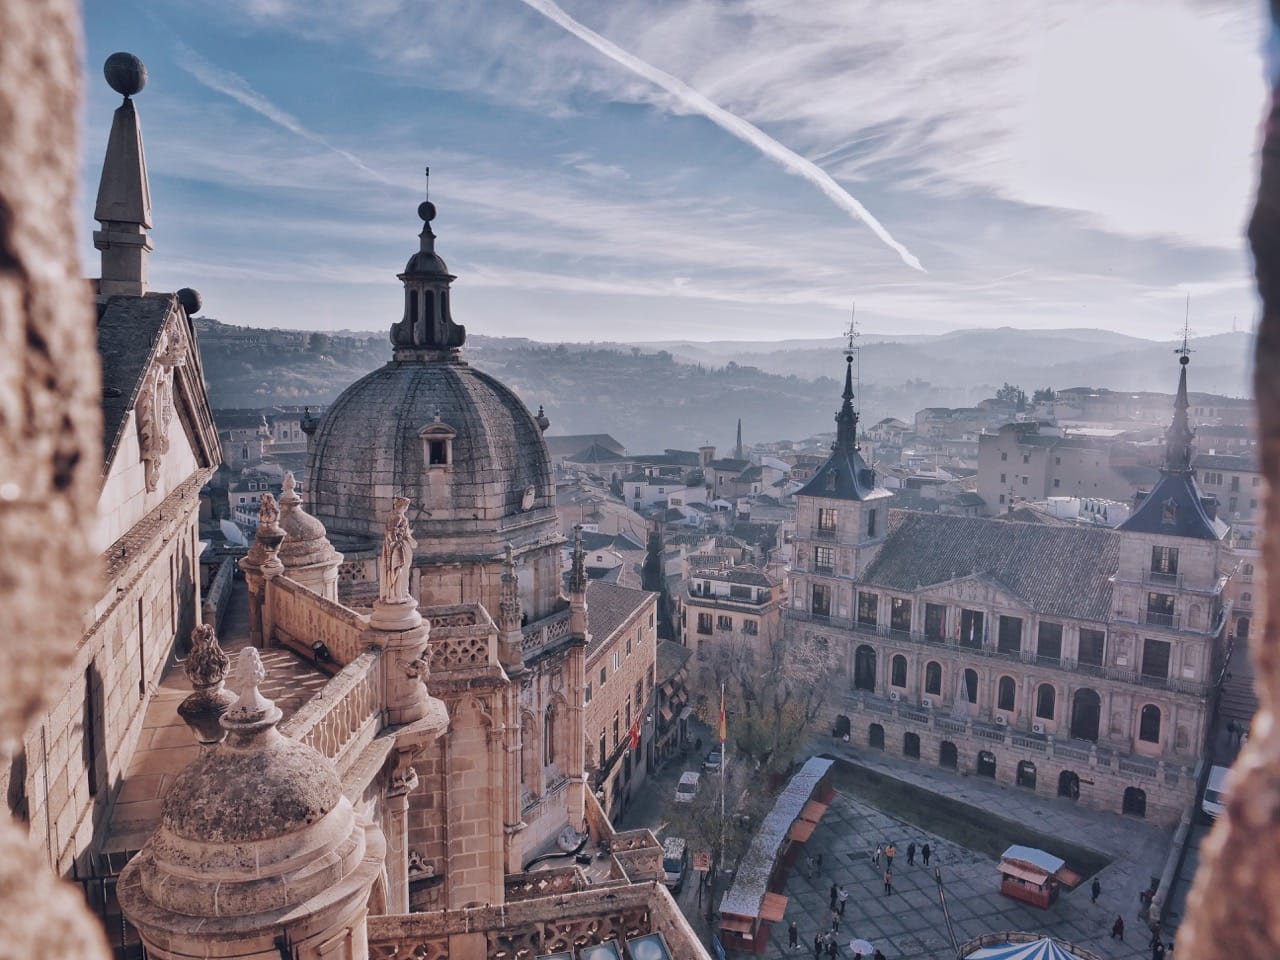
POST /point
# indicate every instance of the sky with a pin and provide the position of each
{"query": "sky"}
(642, 170)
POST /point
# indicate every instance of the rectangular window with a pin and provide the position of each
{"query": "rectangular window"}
(1164, 562)
(1049, 642)
(900, 614)
(827, 518)
(1235, 484)
(628, 646)
(1057, 482)
(90, 728)
(724, 623)
(603, 741)
(639, 693)
(1003, 456)
(602, 675)
(616, 725)
(586, 694)
(972, 629)
(1160, 609)
(750, 627)
(1026, 458)
(872, 519)
(628, 712)
(1009, 638)
(617, 661)
(935, 621)
(821, 606)
(1155, 659)
(737, 592)
(824, 559)
(704, 623)
(1092, 647)
(1003, 478)
(868, 608)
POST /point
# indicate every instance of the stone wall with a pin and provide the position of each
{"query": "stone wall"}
(301, 616)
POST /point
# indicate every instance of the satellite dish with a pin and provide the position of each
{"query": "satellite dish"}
(233, 534)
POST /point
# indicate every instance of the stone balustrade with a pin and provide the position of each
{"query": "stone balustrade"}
(344, 717)
(545, 883)
(299, 616)
(461, 638)
(545, 633)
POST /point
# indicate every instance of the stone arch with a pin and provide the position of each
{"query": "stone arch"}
(842, 728)
(875, 737)
(1069, 785)
(986, 764)
(1046, 701)
(1086, 714)
(898, 671)
(864, 668)
(948, 755)
(911, 745)
(1026, 774)
(1134, 802)
(529, 751)
(1149, 723)
(970, 685)
(1242, 628)
(1006, 694)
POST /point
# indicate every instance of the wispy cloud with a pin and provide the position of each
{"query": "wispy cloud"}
(231, 84)
(740, 128)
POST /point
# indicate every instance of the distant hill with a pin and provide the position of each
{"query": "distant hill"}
(682, 394)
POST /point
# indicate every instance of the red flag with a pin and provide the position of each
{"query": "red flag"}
(635, 735)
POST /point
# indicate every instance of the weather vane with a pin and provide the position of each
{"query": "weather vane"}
(852, 332)
(427, 191)
(1185, 350)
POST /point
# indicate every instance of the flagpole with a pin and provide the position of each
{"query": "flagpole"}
(724, 764)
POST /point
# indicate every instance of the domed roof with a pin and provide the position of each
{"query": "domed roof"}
(368, 449)
(234, 796)
(306, 541)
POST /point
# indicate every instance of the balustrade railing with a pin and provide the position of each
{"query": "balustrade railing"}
(345, 714)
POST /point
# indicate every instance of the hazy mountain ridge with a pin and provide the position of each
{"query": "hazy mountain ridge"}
(651, 396)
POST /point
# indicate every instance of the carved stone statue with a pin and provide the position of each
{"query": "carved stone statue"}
(268, 510)
(397, 555)
(206, 667)
(207, 664)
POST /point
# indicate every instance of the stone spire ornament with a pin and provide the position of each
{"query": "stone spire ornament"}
(1178, 438)
(124, 194)
(251, 707)
(426, 331)
(509, 606)
(307, 555)
(262, 563)
(395, 608)
(578, 571)
(206, 667)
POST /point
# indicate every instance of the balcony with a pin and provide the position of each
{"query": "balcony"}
(823, 568)
(820, 534)
(1157, 618)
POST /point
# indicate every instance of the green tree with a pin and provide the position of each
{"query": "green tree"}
(1015, 395)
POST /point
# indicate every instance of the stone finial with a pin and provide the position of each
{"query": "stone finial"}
(289, 494)
(578, 571)
(124, 194)
(206, 665)
(509, 597)
(397, 555)
(251, 706)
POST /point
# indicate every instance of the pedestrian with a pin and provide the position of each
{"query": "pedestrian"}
(1155, 935)
(818, 861)
(843, 898)
(889, 852)
(833, 948)
(793, 935)
(1231, 732)
(817, 945)
(888, 882)
(878, 955)
(1096, 889)
(1157, 950)
(925, 852)
(875, 857)
(1117, 928)
(812, 866)
(911, 854)
(834, 891)
(835, 922)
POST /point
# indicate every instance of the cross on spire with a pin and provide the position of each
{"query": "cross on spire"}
(852, 332)
(1185, 350)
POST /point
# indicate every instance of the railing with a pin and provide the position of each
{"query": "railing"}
(902, 638)
(823, 568)
(303, 616)
(545, 633)
(819, 534)
(345, 714)
(1156, 618)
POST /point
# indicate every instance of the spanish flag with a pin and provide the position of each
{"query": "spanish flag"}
(634, 733)
(723, 728)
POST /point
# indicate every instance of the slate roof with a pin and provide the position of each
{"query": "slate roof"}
(1226, 461)
(596, 453)
(563, 446)
(845, 476)
(750, 474)
(608, 608)
(127, 332)
(729, 465)
(1175, 508)
(1056, 570)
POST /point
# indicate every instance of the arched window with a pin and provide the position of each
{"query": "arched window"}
(899, 671)
(549, 736)
(971, 686)
(1149, 724)
(1247, 570)
(1046, 698)
(1246, 599)
(1006, 694)
(933, 677)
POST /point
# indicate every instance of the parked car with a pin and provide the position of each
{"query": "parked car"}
(675, 862)
(1214, 802)
(713, 760)
(687, 788)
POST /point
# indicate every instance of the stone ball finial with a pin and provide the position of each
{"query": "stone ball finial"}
(1184, 359)
(427, 210)
(125, 73)
(190, 300)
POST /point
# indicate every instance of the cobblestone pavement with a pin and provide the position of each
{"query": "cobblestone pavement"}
(909, 922)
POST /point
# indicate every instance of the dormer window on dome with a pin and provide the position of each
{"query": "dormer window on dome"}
(437, 444)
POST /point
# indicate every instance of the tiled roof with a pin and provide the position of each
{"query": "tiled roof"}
(671, 657)
(1059, 571)
(745, 574)
(608, 608)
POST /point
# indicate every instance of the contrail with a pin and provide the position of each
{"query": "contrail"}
(740, 128)
(237, 88)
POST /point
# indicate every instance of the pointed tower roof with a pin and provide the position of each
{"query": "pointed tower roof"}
(124, 194)
(845, 475)
(1176, 506)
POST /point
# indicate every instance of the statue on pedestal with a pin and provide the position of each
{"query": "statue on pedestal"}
(397, 555)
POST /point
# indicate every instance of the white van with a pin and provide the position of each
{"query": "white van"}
(1214, 803)
(675, 861)
(687, 788)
